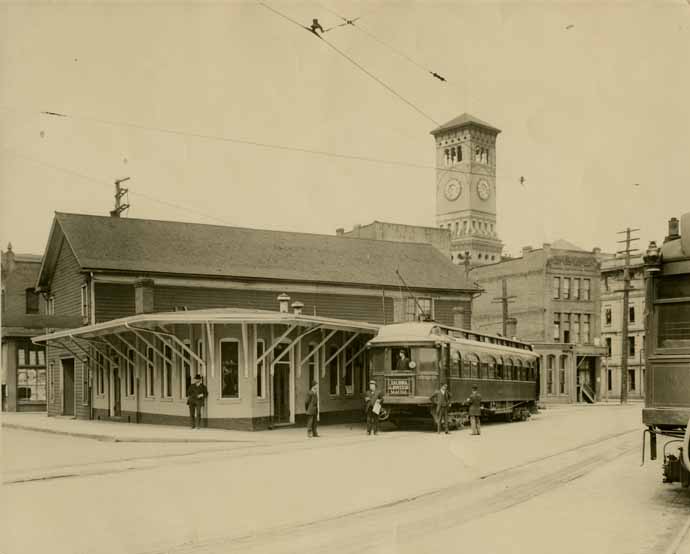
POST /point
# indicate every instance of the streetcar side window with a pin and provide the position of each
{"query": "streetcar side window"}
(466, 368)
(674, 325)
(492, 369)
(499, 369)
(509, 369)
(519, 373)
(456, 364)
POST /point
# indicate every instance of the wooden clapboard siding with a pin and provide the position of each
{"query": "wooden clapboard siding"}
(113, 301)
(66, 283)
(444, 312)
(345, 306)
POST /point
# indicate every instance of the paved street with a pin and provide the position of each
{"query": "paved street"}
(569, 480)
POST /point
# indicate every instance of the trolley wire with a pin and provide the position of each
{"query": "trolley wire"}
(351, 22)
(353, 62)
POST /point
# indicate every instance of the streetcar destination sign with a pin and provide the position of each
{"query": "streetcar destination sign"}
(399, 387)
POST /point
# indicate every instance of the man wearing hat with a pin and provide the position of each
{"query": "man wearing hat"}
(374, 401)
(475, 402)
(311, 406)
(196, 396)
(441, 399)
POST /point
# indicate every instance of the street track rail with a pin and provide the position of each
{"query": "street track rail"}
(443, 508)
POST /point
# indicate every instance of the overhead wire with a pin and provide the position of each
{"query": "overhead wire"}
(355, 63)
(351, 22)
(104, 182)
(259, 144)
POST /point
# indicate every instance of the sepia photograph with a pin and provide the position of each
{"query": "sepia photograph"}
(345, 276)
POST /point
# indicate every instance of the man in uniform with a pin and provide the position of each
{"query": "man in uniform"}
(374, 401)
(441, 398)
(475, 402)
(196, 396)
(311, 406)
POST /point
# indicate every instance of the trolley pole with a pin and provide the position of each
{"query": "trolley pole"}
(626, 310)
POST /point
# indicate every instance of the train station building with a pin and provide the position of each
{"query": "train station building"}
(258, 313)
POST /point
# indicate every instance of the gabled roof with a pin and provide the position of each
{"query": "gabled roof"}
(462, 121)
(143, 246)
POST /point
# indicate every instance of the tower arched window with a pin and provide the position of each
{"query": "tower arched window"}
(477, 154)
(459, 153)
(447, 153)
(456, 227)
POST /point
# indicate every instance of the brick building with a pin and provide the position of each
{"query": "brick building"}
(555, 305)
(23, 316)
(612, 326)
(102, 269)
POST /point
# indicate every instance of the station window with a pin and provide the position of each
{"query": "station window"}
(130, 371)
(609, 380)
(261, 369)
(311, 364)
(200, 354)
(608, 346)
(566, 288)
(556, 287)
(549, 381)
(556, 327)
(607, 315)
(333, 368)
(586, 334)
(166, 385)
(631, 346)
(230, 368)
(631, 314)
(576, 289)
(631, 380)
(184, 362)
(150, 372)
(85, 301)
(349, 375)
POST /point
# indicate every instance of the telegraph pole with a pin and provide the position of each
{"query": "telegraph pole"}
(504, 299)
(626, 309)
(119, 194)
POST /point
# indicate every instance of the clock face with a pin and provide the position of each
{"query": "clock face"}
(483, 190)
(453, 189)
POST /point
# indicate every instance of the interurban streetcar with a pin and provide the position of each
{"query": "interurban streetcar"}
(506, 371)
(667, 350)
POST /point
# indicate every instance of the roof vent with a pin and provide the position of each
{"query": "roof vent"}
(284, 303)
(340, 231)
(297, 307)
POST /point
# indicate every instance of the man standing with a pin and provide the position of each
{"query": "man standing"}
(196, 396)
(311, 406)
(441, 398)
(374, 401)
(475, 402)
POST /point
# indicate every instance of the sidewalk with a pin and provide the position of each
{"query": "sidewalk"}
(112, 431)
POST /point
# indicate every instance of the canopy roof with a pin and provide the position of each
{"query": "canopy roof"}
(227, 316)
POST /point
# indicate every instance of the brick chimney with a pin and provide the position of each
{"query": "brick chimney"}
(673, 229)
(143, 296)
(297, 308)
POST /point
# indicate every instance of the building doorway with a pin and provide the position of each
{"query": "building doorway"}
(281, 385)
(68, 395)
(586, 377)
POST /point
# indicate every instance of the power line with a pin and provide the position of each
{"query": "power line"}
(288, 148)
(355, 63)
(108, 184)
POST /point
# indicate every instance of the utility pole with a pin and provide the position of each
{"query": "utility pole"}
(504, 299)
(626, 309)
(119, 193)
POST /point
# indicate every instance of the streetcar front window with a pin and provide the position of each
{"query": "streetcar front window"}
(425, 358)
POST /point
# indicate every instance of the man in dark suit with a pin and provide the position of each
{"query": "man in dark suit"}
(373, 402)
(475, 402)
(311, 406)
(441, 399)
(196, 396)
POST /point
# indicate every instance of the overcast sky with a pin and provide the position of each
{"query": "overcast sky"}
(592, 98)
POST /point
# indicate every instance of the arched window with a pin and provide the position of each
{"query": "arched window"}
(457, 226)
(564, 362)
(519, 370)
(508, 369)
(499, 368)
(456, 364)
(477, 154)
(492, 368)
(459, 153)
(447, 153)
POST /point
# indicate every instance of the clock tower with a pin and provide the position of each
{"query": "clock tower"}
(466, 188)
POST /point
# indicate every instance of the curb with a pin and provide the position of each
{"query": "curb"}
(115, 438)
